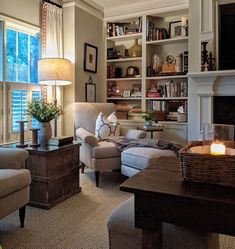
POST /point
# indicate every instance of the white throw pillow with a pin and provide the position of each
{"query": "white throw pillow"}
(107, 127)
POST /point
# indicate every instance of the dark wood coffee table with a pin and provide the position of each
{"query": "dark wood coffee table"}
(161, 196)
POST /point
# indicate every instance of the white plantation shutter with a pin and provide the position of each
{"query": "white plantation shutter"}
(19, 96)
(1, 113)
(18, 109)
(35, 95)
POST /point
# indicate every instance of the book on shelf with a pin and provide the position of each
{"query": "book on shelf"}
(155, 33)
(62, 140)
(166, 89)
(124, 28)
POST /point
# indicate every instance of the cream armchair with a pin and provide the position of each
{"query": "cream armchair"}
(103, 155)
(14, 182)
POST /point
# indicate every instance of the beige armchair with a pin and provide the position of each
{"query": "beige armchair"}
(103, 155)
(14, 182)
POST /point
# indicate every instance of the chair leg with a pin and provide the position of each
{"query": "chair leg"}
(97, 177)
(22, 215)
(82, 167)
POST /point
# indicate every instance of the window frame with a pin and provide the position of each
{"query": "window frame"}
(6, 86)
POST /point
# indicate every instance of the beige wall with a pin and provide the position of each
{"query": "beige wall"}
(69, 53)
(88, 29)
(81, 27)
(24, 10)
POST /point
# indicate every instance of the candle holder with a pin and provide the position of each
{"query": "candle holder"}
(21, 144)
(214, 137)
(211, 160)
(34, 138)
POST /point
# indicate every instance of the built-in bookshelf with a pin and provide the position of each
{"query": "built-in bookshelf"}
(134, 83)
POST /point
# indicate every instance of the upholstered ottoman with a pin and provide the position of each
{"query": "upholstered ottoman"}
(123, 233)
(137, 158)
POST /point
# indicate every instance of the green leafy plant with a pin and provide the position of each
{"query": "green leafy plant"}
(43, 111)
(149, 116)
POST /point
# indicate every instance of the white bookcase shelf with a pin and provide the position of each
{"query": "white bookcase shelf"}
(176, 47)
(125, 60)
(125, 37)
(168, 41)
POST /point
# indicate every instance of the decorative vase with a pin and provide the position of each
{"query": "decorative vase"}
(135, 50)
(44, 133)
(148, 123)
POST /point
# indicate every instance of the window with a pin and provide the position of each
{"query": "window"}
(20, 44)
(22, 54)
(1, 50)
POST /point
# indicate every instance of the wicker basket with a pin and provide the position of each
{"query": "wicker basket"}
(208, 168)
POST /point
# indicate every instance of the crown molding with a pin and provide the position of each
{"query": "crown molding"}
(89, 6)
(144, 8)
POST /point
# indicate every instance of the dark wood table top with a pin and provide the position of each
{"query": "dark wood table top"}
(43, 149)
(185, 203)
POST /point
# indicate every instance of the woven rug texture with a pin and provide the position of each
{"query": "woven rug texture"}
(79, 222)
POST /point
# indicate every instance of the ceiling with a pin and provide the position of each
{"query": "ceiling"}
(107, 4)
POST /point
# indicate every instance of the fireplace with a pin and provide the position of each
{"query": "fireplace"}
(211, 100)
(224, 111)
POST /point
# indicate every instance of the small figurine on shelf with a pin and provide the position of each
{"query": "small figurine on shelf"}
(210, 62)
(156, 64)
(204, 55)
(112, 87)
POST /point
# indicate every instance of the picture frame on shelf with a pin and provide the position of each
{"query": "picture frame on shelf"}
(90, 92)
(90, 58)
(175, 29)
(126, 93)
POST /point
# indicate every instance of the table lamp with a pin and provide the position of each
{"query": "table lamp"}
(54, 72)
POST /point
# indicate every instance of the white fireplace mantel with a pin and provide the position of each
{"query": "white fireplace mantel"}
(202, 87)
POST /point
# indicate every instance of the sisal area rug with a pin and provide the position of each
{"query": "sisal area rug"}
(80, 222)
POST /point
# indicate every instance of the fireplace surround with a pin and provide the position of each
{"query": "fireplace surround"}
(204, 87)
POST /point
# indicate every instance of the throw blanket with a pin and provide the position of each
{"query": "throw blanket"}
(123, 143)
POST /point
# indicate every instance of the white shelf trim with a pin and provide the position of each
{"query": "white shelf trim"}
(167, 77)
(166, 98)
(125, 37)
(122, 98)
(125, 59)
(123, 79)
(168, 41)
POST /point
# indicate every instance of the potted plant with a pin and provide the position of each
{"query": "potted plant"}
(149, 118)
(44, 112)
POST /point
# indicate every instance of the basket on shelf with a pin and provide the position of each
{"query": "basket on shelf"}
(200, 166)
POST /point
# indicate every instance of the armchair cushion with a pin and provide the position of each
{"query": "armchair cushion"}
(12, 158)
(105, 150)
(13, 180)
(86, 137)
(132, 134)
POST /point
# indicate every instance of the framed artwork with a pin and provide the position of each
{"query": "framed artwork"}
(90, 92)
(175, 29)
(126, 93)
(90, 58)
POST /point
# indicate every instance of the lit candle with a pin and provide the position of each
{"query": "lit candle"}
(217, 149)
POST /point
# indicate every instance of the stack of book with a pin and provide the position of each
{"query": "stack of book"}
(59, 141)
(153, 93)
